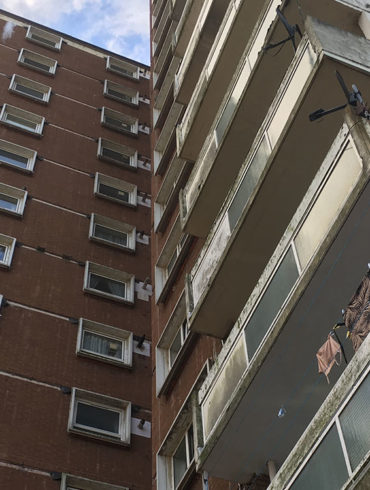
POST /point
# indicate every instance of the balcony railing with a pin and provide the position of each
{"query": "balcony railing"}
(287, 148)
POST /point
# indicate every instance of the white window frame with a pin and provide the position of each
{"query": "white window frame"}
(168, 260)
(13, 192)
(44, 60)
(110, 87)
(177, 324)
(12, 111)
(44, 38)
(122, 68)
(126, 124)
(117, 184)
(122, 407)
(8, 243)
(20, 151)
(113, 333)
(45, 90)
(123, 150)
(72, 482)
(111, 274)
(189, 461)
(114, 225)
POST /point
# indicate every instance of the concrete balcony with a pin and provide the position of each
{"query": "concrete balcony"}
(236, 33)
(287, 149)
(264, 388)
(329, 439)
(162, 29)
(199, 45)
(185, 27)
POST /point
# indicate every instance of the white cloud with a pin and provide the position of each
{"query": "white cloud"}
(121, 26)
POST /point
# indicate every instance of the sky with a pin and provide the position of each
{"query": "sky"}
(121, 26)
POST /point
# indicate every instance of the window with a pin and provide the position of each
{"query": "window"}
(119, 92)
(20, 119)
(171, 347)
(183, 457)
(104, 342)
(37, 62)
(122, 68)
(70, 482)
(118, 154)
(100, 416)
(7, 245)
(17, 156)
(119, 122)
(44, 38)
(12, 199)
(28, 88)
(170, 259)
(115, 190)
(111, 283)
(112, 232)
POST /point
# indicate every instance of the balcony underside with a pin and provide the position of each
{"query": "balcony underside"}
(284, 371)
(296, 157)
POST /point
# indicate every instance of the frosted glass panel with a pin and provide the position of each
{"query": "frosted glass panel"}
(329, 203)
(271, 302)
(248, 183)
(355, 423)
(326, 470)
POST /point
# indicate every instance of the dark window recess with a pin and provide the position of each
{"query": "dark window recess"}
(114, 193)
(99, 418)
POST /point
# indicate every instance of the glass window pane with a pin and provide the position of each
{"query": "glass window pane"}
(13, 158)
(29, 91)
(355, 422)
(248, 183)
(326, 469)
(271, 302)
(106, 285)
(329, 203)
(20, 122)
(179, 463)
(7, 202)
(115, 155)
(99, 418)
(2, 253)
(110, 235)
(114, 193)
(191, 444)
(175, 347)
(36, 64)
(102, 345)
(117, 123)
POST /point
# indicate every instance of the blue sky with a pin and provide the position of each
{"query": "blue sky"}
(121, 26)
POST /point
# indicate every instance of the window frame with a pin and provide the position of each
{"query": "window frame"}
(47, 36)
(122, 118)
(37, 86)
(110, 86)
(122, 68)
(122, 407)
(39, 58)
(10, 110)
(20, 151)
(123, 336)
(111, 274)
(19, 194)
(8, 243)
(124, 150)
(114, 225)
(72, 482)
(189, 462)
(117, 184)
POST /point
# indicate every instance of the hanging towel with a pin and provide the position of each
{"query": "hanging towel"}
(357, 314)
(326, 356)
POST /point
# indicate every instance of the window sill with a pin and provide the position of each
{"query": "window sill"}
(101, 437)
(112, 297)
(107, 360)
(111, 244)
